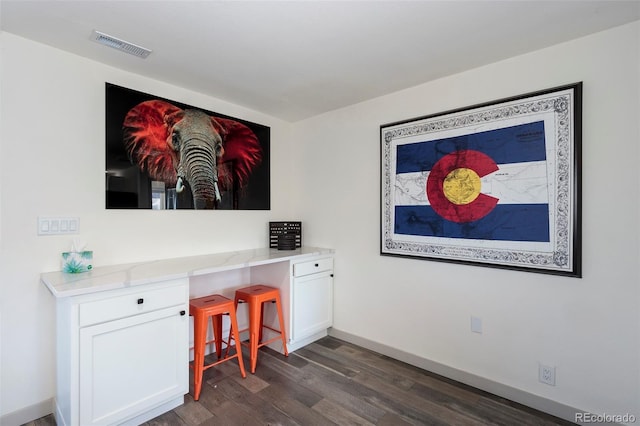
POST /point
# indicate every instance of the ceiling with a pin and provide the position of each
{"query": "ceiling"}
(298, 59)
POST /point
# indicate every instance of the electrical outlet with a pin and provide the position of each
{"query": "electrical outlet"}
(476, 325)
(547, 374)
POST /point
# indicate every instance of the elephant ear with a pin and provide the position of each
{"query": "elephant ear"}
(242, 152)
(147, 131)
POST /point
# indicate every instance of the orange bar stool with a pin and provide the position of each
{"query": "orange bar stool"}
(202, 309)
(255, 296)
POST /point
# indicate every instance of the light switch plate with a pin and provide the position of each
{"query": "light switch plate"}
(58, 225)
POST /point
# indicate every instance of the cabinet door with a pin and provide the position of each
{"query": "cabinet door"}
(132, 364)
(312, 304)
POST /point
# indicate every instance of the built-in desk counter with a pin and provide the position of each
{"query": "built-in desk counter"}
(125, 275)
(123, 330)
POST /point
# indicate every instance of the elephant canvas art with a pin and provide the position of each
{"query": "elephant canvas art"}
(164, 154)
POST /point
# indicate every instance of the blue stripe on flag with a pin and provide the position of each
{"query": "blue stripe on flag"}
(516, 144)
(507, 222)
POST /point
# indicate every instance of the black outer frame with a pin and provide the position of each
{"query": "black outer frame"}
(119, 99)
(576, 271)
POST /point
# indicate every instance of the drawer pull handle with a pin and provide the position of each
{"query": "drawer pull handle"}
(317, 265)
(182, 313)
(140, 301)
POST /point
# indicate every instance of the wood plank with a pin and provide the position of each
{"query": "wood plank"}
(255, 405)
(338, 415)
(192, 412)
(298, 411)
(295, 389)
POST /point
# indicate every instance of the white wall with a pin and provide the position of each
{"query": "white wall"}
(588, 328)
(325, 171)
(52, 163)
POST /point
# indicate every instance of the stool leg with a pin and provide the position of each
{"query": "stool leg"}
(236, 337)
(235, 310)
(255, 327)
(283, 334)
(217, 333)
(199, 342)
(260, 329)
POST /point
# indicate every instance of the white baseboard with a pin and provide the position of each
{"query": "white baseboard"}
(28, 414)
(44, 408)
(534, 401)
(294, 345)
(155, 412)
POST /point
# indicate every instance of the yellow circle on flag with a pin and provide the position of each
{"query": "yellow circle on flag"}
(461, 186)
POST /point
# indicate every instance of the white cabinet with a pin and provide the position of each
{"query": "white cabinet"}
(122, 331)
(312, 300)
(122, 354)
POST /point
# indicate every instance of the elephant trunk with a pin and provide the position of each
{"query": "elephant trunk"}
(199, 164)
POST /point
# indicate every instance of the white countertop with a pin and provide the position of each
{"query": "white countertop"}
(103, 278)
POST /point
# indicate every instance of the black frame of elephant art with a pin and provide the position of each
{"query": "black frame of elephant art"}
(146, 169)
(496, 184)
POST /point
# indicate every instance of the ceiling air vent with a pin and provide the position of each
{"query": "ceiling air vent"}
(118, 44)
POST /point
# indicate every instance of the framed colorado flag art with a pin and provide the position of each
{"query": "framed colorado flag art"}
(496, 184)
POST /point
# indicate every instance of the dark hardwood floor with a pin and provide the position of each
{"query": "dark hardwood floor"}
(334, 382)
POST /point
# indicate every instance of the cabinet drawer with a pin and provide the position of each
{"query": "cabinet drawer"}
(312, 266)
(132, 303)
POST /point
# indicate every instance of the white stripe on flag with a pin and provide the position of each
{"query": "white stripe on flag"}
(518, 183)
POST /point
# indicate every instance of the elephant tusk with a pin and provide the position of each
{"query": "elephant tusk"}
(179, 185)
(217, 191)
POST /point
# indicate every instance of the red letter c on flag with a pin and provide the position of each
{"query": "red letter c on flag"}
(448, 170)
